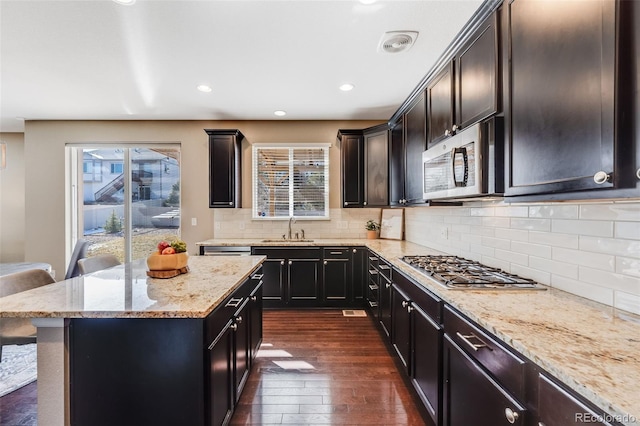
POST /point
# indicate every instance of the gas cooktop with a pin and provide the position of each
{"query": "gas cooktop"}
(458, 273)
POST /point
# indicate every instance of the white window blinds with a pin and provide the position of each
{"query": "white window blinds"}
(291, 180)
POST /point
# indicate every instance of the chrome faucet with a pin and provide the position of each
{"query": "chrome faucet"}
(292, 219)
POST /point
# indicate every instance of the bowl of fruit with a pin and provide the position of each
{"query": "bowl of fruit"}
(170, 257)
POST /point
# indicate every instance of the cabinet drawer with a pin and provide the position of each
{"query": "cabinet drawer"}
(373, 261)
(427, 301)
(336, 253)
(495, 358)
(384, 268)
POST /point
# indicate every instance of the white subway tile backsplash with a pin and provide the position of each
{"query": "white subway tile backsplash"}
(613, 211)
(588, 291)
(616, 247)
(589, 249)
(583, 227)
(627, 230)
(627, 302)
(601, 261)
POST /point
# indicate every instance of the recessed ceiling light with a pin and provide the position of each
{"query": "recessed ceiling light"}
(280, 113)
(367, 1)
(347, 87)
(204, 88)
(125, 2)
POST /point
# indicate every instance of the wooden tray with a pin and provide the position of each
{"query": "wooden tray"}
(168, 273)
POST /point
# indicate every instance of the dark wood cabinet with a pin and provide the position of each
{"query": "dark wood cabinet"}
(477, 75)
(384, 293)
(558, 407)
(440, 105)
(336, 276)
(401, 326)
(171, 371)
(472, 397)
(303, 280)
(365, 166)
(415, 142)
(359, 273)
(352, 167)
(255, 314)
(426, 363)
(372, 289)
(562, 79)
(225, 168)
(397, 158)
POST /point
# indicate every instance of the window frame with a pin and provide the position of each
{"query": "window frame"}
(292, 201)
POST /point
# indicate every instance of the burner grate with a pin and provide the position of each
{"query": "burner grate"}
(458, 272)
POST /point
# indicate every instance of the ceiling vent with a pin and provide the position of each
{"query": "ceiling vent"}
(397, 41)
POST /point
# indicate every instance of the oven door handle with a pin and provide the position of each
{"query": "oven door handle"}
(465, 160)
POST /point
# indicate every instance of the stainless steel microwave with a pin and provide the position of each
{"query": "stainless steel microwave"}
(468, 164)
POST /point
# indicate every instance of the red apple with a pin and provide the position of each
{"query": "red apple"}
(169, 250)
(162, 245)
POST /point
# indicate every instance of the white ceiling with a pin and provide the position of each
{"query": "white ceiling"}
(96, 59)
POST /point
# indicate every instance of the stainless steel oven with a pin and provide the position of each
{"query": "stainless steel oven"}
(469, 164)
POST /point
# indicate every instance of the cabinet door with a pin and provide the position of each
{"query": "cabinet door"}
(376, 150)
(415, 123)
(385, 303)
(255, 317)
(472, 397)
(477, 64)
(427, 362)
(396, 165)
(221, 378)
(401, 325)
(561, 113)
(335, 277)
(440, 106)
(225, 168)
(273, 281)
(352, 150)
(557, 407)
(303, 278)
(241, 327)
(358, 274)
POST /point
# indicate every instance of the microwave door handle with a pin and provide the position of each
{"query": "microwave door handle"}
(465, 161)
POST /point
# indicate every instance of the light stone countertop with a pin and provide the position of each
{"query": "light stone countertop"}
(126, 291)
(591, 347)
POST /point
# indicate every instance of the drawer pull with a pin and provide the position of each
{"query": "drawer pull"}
(234, 327)
(335, 252)
(239, 320)
(474, 346)
(233, 303)
(373, 304)
(257, 276)
(384, 267)
(512, 416)
(373, 287)
(373, 258)
(373, 272)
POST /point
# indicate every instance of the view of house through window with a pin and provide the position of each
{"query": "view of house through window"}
(128, 198)
(291, 180)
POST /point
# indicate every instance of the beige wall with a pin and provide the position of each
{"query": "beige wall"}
(12, 198)
(44, 141)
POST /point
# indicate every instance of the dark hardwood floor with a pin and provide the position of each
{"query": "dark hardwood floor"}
(315, 367)
(348, 376)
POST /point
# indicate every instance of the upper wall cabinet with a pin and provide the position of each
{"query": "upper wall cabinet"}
(225, 172)
(415, 135)
(465, 90)
(365, 166)
(560, 117)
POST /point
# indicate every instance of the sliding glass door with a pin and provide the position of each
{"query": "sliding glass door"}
(126, 198)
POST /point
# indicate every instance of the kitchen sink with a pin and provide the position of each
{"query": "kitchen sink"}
(280, 240)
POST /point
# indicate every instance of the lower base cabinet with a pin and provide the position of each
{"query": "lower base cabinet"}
(165, 371)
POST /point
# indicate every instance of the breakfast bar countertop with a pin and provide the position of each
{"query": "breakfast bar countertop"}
(126, 291)
(591, 347)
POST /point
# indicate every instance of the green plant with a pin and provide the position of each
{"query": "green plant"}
(372, 225)
(113, 224)
(174, 197)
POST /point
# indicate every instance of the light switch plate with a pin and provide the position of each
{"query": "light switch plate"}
(194, 221)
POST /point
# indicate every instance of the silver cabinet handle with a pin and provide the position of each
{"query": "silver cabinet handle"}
(601, 177)
(541, 424)
(239, 320)
(291, 262)
(325, 262)
(254, 298)
(384, 266)
(409, 308)
(387, 285)
(346, 203)
(354, 250)
(511, 415)
(455, 128)
(638, 173)
(257, 276)
(234, 327)
(447, 132)
(365, 203)
(405, 303)
(474, 346)
(230, 203)
(335, 252)
(282, 262)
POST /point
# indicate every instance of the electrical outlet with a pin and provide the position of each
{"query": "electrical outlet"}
(194, 221)
(444, 233)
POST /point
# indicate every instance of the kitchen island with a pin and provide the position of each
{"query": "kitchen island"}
(592, 348)
(120, 312)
